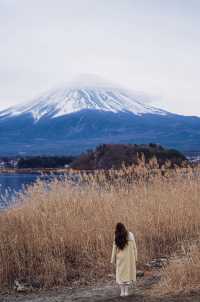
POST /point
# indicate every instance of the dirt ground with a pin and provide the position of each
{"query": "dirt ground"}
(106, 293)
(103, 292)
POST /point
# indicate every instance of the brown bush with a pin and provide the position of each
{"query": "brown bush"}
(183, 273)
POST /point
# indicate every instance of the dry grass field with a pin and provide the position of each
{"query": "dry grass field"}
(63, 233)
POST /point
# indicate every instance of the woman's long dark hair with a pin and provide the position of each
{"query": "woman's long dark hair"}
(121, 236)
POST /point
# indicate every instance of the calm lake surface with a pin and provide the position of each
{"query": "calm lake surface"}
(11, 184)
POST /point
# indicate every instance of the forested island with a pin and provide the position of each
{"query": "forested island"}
(109, 156)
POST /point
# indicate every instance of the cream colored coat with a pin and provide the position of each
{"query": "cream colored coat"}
(125, 261)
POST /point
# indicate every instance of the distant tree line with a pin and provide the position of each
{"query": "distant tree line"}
(45, 162)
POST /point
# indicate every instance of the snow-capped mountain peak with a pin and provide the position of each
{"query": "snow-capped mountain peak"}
(58, 122)
(82, 95)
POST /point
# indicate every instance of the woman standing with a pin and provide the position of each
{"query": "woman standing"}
(124, 255)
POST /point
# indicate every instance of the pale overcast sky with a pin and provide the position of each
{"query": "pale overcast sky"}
(147, 45)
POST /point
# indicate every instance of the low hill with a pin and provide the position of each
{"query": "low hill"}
(109, 156)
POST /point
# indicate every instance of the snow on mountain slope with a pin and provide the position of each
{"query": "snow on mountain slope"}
(77, 97)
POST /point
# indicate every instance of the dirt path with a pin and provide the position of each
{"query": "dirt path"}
(102, 292)
(106, 294)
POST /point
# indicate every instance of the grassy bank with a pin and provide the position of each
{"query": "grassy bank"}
(65, 233)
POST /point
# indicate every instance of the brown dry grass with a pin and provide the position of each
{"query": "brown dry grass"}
(183, 273)
(65, 233)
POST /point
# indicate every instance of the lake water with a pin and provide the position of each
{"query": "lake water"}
(11, 184)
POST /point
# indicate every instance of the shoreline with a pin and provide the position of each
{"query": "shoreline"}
(35, 171)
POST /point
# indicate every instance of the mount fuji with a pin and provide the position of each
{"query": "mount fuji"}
(77, 96)
(79, 116)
